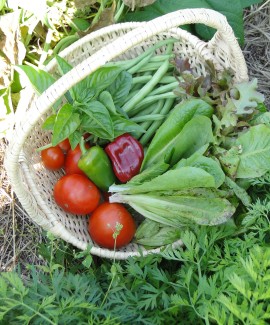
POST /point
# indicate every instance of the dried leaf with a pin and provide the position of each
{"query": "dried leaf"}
(106, 19)
(12, 50)
(138, 3)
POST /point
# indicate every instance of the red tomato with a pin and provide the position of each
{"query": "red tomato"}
(102, 225)
(71, 162)
(76, 194)
(53, 158)
(64, 145)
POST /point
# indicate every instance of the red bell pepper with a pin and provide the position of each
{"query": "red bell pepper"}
(126, 154)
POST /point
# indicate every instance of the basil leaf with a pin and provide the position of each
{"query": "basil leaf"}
(67, 121)
(49, 123)
(122, 125)
(74, 138)
(97, 120)
(106, 99)
(79, 92)
(120, 88)
(254, 152)
(102, 78)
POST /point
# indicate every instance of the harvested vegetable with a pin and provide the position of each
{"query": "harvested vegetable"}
(126, 154)
(97, 166)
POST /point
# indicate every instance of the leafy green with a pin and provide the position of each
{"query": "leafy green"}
(208, 164)
(194, 135)
(169, 134)
(254, 152)
(178, 210)
(66, 122)
(249, 97)
(120, 88)
(177, 179)
(97, 120)
(232, 10)
(156, 235)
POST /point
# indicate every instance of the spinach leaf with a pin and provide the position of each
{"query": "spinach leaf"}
(195, 134)
(168, 135)
(66, 122)
(97, 120)
(255, 152)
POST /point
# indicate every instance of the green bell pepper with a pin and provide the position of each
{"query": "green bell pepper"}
(95, 163)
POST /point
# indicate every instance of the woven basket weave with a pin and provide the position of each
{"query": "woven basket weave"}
(31, 182)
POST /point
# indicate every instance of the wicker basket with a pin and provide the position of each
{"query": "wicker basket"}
(31, 182)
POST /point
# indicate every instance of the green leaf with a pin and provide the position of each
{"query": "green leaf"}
(177, 179)
(239, 192)
(97, 120)
(74, 138)
(49, 123)
(195, 134)
(79, 92)
(67, 121)
(255, 152)
(179, 210)
(262, 118)
(248, 3)
(122, 125)
(232, 10)
(249, 97)
(120, 88)
(102, 78)
(208, 164)
(39, 79)
(106, 99)
(168, 136)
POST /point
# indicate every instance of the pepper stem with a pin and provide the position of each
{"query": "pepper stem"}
(82, 146)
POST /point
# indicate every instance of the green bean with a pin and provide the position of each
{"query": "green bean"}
(146, 118)
(150, 99)
(164, 89)
(150, 109)
(158, 108)
(127, 64)
(152, 66)
(140, 64)
(161, 58)
(156, 124)
(146, 89)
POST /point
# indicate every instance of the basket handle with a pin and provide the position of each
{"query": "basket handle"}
(208, 17)
(211, 18)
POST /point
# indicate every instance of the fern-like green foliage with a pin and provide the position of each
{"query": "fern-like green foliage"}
(220, 276)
